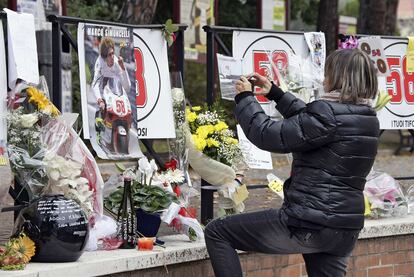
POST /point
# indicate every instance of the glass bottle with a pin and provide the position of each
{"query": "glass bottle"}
(126, 217)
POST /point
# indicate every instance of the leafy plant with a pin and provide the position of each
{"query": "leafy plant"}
(148, 198)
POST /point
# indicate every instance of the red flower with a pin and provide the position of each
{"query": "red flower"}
(182, 212)
(174, 37)
(177, 190)
(172, 164)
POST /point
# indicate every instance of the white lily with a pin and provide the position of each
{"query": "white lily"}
(54, 174)
(28, 120)
(143, 165)
(154, 166)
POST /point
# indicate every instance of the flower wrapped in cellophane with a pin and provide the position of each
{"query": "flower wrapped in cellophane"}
(384, 196)
(214, 153)
(178, 147)
(46, 154)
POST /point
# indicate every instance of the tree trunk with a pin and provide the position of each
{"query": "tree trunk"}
(372, 17)
(328, 22)
(391, 17)
(138, 12)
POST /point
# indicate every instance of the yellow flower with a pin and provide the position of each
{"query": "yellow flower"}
(230, 140)
(191, 117)
(220, 126)
(24, 246)
(40, 100)
(196, 108)
(205, 130)
(212, 142)
(200, 143)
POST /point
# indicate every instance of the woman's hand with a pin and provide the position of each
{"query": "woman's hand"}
(260, 81)
(243, 85)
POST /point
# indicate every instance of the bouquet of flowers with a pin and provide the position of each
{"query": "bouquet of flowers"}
(214, 153)
(177, 147)
(46, 154)
(384, 196)
(16, 253)
(181, 217)
(156, 191)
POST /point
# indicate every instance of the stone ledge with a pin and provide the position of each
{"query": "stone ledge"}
(387, 227)
(178, 250)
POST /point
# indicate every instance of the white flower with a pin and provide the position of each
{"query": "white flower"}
(177, 95)
(143, 165)
(54, 174)
(172, 177)
(154, 166)
(28, 120)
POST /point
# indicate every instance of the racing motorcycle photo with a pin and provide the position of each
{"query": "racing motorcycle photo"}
(114, 117)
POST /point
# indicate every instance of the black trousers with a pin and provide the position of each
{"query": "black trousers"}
(325, 251)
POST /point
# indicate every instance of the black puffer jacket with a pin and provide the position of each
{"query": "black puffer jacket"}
(334, 146)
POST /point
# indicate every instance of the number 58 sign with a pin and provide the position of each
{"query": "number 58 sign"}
(399, 113)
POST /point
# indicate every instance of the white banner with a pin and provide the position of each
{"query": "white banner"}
(22, 48)
(399, 113)
(274, 15)
(257, 47)
(3, 87)
(196, 14)
(254, 157)
(153, 100)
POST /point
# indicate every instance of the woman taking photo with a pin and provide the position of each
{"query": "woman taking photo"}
(334, 143)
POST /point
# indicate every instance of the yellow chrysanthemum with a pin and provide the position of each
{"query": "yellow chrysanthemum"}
(196, 108)
(200, 143)
(191, 117)
(212, 142)
(205, 130)
(220, 126)
(25, 247)
(40, 100)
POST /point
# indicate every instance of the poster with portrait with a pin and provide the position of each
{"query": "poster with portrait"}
(108, 90)
(196, 14)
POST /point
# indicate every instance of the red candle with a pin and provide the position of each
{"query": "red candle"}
(145, 243)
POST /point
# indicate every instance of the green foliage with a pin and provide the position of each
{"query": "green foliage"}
(307, 10)
(351, 8)
(148, 198)
(95, 9)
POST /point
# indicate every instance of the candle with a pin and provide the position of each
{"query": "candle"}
(145, 243)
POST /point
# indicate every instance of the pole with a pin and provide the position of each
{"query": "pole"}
(56, 65)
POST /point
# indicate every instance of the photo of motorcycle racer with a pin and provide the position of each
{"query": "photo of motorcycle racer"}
(110, 84)
(108, 65)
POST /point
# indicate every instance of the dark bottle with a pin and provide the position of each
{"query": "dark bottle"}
(126, 217)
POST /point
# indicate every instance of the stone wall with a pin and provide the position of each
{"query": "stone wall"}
(375, 257)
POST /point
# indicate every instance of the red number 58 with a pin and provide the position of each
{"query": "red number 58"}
(396, 82)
